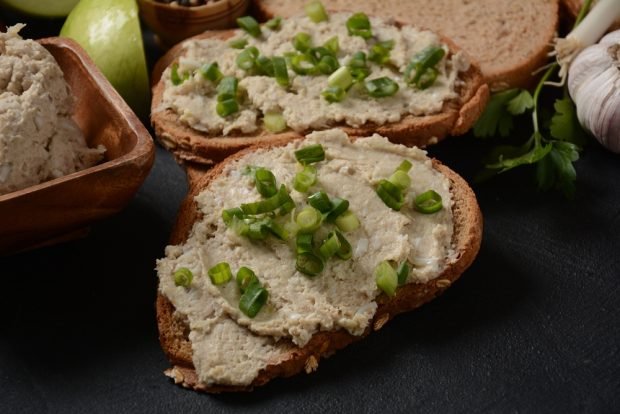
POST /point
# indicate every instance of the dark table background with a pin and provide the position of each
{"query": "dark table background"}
(532, 326)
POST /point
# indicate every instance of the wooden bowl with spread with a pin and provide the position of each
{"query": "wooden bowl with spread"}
(62, 208)
(173, 23)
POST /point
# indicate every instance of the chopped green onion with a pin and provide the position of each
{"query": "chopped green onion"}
(274, 122)
(402, 272)
(304, 243)
(253, 299)
(211, 72)
(258, 230)
(333, 45)
(386, 278)
(339, 206)
(315, 11)
(320, 52)
(279, 70)
(359, 69)
(405, 166)
(183, 277)
(320, 201)
(334, 94)
(428, 78)
(220, 273)
(380, 52)
(227, 88)
(274, 24)
(303, 65)
(245, 278)
(359, 25)
(310, 154)
(308, 219)
(264, 65)
(305, 179)
(250, 25)
(265, 182)
(246, 60)
(345, 252)
(358, 60)
(309, 264)
(420, 71)
(390, 194)
(226, 107)
(328, 64)
(287, 202)
(347, 221)
(239, 225)
(238, 43)
(359, 74)
(428, 202)
(330, 246)
(302, 42)
(228, 214)
(381, 87)
(267, 205)
(175, 77)
(340, 78)
(277, 230)
(400, 179)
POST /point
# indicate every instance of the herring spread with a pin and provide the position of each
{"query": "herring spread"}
(231, 348)
(194, 98)
(38, 139)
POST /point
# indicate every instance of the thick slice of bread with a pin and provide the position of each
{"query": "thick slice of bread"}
(174, 331)
(456, 118)
(509, 39)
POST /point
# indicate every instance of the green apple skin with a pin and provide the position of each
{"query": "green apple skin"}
(42, 8)
(109, 31)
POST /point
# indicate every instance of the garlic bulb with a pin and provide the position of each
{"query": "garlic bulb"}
(594, 85)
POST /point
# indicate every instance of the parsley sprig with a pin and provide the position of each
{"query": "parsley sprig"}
(552, 144)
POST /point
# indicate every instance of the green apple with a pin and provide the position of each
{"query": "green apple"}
(53, 8)
(109, 31)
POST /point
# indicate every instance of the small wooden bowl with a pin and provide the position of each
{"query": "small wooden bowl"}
(62, 208)
(175, 23)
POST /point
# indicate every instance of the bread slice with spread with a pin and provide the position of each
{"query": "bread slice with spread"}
(298, 76)
(509, 39)
(283, 254)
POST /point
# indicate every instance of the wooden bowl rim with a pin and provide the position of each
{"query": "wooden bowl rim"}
(143, 148)
(203, 8)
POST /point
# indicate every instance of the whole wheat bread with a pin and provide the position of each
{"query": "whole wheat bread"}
(189, 145)
(173, 330)
(509, 39)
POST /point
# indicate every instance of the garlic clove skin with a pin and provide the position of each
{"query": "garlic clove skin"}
(594, 85)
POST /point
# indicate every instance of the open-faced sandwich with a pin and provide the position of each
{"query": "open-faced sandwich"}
(222, 91)
(283, 254)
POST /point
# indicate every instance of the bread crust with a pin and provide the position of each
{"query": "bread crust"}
(173, 331)
(196, 147)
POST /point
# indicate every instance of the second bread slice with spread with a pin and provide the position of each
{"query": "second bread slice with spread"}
(184, 104)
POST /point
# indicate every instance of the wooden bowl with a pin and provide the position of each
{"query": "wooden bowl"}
(62, 208)
(173, 23)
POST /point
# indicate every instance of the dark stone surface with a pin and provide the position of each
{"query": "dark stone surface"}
(532, 326)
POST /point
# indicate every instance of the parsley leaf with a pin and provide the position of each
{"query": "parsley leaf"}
(533, 151)
(496, 117)
(520, 103)
(557, 170)
(564, 123)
